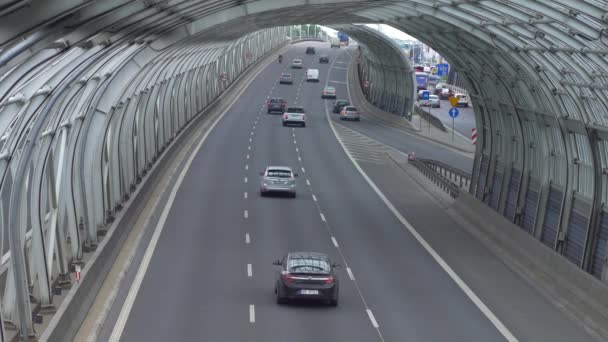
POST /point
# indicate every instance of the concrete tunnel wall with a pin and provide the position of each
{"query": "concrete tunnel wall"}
(536, 71)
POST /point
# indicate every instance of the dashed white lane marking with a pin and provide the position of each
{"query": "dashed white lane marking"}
(299, 159)
(307, 182)
(303, 170)
(297, 150)
(247, 156)
(372, 318)
(247, 238)
(335, 242)
(351, 276)
(249, 147)
(246, 213)
(245, 194)
(294, 141)
(246, 166)
(314, 198)
(250, 139)
(323, 217)
(249, 270)
(245, 179)
(251, 313)
(251, 133)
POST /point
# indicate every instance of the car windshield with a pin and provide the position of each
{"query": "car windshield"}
(279, 173)
(295, 110)
(308, 265)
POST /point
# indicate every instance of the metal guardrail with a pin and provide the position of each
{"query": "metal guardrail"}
(442, 182)
(430, 117)
(448, 178)
(458, 177)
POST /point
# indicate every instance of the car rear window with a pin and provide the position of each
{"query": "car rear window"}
(308, 265)
(295, 110)
(279, 173)
(350, 109)
(330, 89)
(276, 100)
(342, 103)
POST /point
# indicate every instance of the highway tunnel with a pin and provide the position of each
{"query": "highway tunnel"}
(94, 93)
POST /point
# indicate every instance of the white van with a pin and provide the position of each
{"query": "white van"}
(312, 75)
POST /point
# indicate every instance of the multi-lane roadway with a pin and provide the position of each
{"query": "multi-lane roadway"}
(210, 277)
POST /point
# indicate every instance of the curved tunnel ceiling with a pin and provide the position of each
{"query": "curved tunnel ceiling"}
(537, 71)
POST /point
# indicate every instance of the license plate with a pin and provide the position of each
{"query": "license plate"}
(309, 292)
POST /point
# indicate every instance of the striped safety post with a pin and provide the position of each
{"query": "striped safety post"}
(474, 135)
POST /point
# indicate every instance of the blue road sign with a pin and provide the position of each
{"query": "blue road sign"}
(443, 69)
(425, 95)
(454, 113)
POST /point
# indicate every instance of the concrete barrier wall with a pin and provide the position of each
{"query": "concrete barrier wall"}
(572, 288)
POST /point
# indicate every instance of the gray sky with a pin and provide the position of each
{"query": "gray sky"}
(386, 29)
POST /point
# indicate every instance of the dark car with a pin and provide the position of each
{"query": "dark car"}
(324, 59)
(286, 79)
(276, 105)
(310, 50)
(339, 104)
(306, 275)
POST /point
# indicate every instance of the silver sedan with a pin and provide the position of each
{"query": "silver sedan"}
(278, 179)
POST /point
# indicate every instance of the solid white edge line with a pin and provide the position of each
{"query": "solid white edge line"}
(335, 242)
(251, 313)
(372, 318)
(247, 238)
(463, 286)
(350, 274)
(249, 270)
(125, 311)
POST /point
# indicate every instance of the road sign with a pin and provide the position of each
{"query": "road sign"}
(453, 101)
(453, 113)
(425, 95)
(443, 69)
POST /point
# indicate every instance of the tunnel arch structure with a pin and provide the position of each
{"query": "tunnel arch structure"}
(535, 69)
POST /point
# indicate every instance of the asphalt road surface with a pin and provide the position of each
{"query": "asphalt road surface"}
(211, 276)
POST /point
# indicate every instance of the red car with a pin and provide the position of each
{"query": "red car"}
(276, 105)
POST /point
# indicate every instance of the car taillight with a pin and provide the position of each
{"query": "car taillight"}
(357, 113)
(285, 116)
(288, 278)
(329, 280)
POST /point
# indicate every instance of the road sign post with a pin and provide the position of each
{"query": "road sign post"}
(453, 114)
(425, 96)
